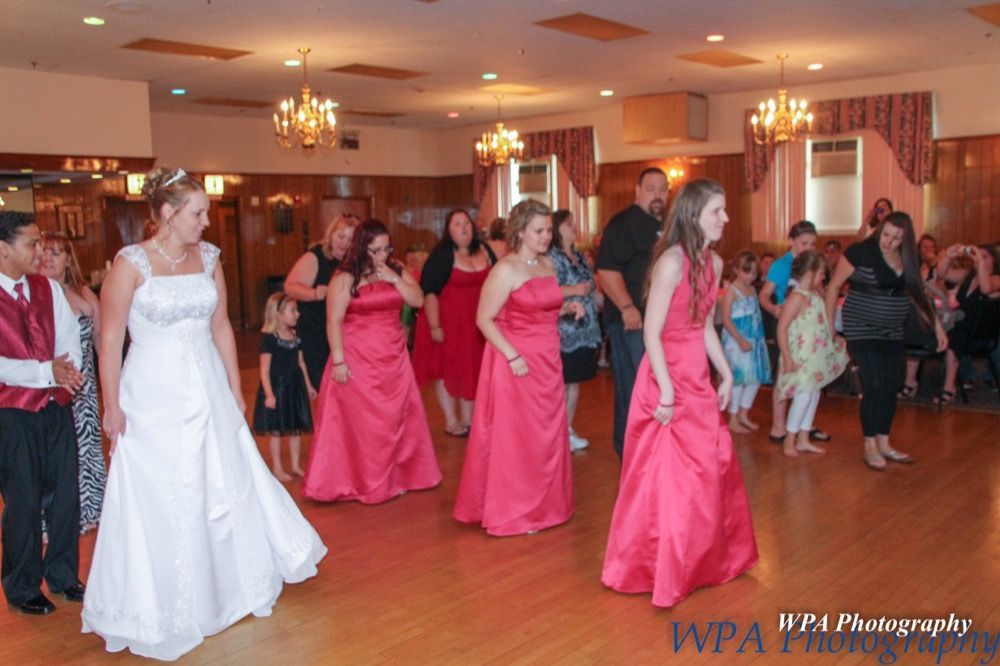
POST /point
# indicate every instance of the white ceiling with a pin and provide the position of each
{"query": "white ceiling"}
(457, 40)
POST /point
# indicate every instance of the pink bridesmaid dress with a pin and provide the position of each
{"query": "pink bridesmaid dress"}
(682, 518)
(517, 476)
(372, 442)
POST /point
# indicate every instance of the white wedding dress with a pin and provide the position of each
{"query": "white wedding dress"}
(195, 533)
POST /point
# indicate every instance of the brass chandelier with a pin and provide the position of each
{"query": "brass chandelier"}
(776, 123)
(501, 146)
(312, 123)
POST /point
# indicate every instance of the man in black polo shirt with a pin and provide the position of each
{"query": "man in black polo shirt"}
(622, 262)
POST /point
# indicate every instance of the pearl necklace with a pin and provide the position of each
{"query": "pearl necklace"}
(530, 262)
(173, 262)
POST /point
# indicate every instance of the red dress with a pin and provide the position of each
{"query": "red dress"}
(517, 476)
(372, 442)
(682, 518)
(457, 359)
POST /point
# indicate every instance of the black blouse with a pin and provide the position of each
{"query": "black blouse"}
(877, 303)
(437, 268)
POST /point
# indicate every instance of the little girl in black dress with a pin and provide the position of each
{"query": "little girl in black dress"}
(285, 391)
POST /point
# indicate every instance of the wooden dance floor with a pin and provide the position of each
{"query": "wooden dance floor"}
(406, 584)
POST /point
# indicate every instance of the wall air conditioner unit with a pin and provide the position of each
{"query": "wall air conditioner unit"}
(834, 158)
(533, 178)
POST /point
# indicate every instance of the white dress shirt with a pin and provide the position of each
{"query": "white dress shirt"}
(29, 373)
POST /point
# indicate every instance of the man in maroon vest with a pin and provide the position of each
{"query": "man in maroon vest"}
(39, 357)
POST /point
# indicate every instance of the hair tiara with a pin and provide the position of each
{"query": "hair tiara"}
(174, 178)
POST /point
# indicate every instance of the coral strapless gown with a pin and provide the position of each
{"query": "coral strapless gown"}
(372, 442)
(517, 476)
(682, 518)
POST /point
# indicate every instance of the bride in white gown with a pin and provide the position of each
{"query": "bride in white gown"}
(196, 533)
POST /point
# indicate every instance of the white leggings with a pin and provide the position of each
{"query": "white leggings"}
(743, 395)
(802, 411)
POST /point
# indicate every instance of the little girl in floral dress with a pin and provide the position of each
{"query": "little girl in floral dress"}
(810, 357)
(743, 341)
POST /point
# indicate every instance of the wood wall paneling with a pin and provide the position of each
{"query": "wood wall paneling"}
(616, 184)
(963, 201)
(413, 208)
(963, 206)
(95, 247)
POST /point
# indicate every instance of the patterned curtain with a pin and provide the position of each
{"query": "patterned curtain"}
(574, 148)
(904, 121)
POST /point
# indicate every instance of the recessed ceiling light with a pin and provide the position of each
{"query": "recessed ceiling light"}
(93, 20)
(815, 66)
(715, 38)
(453, 114)
(607, 93)
(489, 76)
(96, 176)
(65, 181)
(12, 188)
(178, 91)
(292, 62)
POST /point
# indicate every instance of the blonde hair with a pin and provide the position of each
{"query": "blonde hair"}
(345, 220)
(73, 275)
(520, 216)
(275, 304)
(164, 185)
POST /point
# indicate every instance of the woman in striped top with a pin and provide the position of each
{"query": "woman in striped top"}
(883, 272)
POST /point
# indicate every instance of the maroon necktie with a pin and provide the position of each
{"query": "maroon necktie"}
(22, 302)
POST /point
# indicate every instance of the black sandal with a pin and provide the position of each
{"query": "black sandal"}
(819, 435)
(907, 391)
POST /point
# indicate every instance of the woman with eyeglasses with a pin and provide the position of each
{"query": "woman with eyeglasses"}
(371, 442)
(307, 283)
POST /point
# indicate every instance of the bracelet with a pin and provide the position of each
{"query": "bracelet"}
(511, 360)
(336, 365)
(663, 404)
(626, 307)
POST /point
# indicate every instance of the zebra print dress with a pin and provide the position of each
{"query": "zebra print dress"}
(87, 421)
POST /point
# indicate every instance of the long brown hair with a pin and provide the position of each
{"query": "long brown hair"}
(681, 228)
(73, 277)
(910, 255)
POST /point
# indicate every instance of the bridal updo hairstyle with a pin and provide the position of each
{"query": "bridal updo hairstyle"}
(166, 185)
(519, 219)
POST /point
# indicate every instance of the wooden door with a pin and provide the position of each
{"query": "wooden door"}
(334, 207)
(123, 223)
(224, 232)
